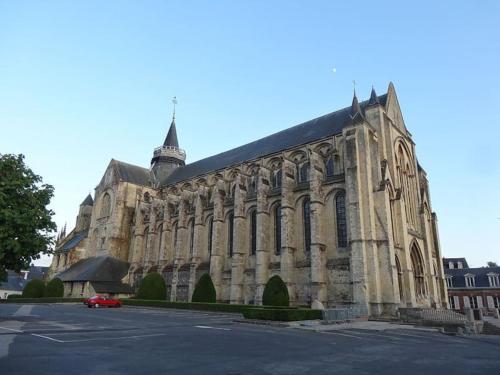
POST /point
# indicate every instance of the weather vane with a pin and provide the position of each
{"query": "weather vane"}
(174, 101)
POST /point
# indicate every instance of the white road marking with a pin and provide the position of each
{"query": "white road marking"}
(208, 327)
(24, 310)
(116, 338)
(344, 334)
(11, 329)
(46, 337)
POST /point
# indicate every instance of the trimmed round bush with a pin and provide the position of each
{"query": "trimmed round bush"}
(34, 289)
(204, 290)
(275, 293)
(54, 288)
(152, 287)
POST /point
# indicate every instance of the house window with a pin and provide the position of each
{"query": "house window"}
(470, 281)
(277, 230)
(253, 232)
(451, 301)
(83, 289)
(460, 265)
(276, 179)
(341, 220)
(451, 265)
(230, 228)
(493, 279)
(473, 302)
(210, 234)
(306, 211)
(449, 281)
(496, 302)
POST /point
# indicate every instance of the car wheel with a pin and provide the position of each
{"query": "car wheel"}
(96, 305)
(89, 306)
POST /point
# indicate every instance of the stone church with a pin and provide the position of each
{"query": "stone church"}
(338, 207)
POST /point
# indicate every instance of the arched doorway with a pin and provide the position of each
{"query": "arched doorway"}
(417, 264)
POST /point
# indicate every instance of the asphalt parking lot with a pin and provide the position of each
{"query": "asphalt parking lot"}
(72, 339)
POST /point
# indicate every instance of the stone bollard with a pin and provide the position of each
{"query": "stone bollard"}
(469, 313)
(496, 314)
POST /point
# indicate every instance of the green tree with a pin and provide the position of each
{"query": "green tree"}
(34, 289)
(26, 224)
(204, 290)
(492, 264)
(152, 287)
(275, 293)
(54, 288)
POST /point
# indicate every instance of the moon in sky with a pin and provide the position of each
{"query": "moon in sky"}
(334, 70)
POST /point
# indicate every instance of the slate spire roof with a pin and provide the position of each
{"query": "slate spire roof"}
(171, 139)
(373, 98)
(88, 201)
(356, 114)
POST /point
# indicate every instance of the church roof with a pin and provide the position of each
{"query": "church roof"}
(73, 241)
(131, 173)
(88, 201)
(171, 139)
(102, 268)
(310, 131)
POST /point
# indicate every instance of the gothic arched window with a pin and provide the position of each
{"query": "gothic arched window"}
(160, 238)
(252, 187)
(304, 173)
(277, 230)
(230, 228)
(253, 232)
(400, 277)
(210, 234)
(276, 179)
(191, 237)
(418, 271)
(330, 171)
(306, 214)
(106, 205)
(340, 215)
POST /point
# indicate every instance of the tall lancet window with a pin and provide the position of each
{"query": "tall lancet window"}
(210, 234)
(230, 228)
(306, 213)
(253, 232)
(330, 167)
(340, 215)
(276, 179)
(191, 237)
(277, 230)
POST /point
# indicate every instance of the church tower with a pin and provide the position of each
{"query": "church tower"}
(168, 157)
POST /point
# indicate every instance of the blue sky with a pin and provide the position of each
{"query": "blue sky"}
(81, 83)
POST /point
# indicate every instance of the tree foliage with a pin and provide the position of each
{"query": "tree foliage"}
(34, 289)
(492, 264)
(26, 224)
(54, 288)
(152, 287)
(204, 290)
(275, 293)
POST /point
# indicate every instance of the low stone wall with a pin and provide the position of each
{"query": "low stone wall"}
(344, 313)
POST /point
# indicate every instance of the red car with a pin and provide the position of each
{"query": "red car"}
(102, 301)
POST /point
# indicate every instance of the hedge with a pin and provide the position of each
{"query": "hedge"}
(283, 315)
(223, 307)
(39, 300)
(13, 296)
(152, 287)
(204, 290)
(34, 289)
(54, 288)
(275, 293)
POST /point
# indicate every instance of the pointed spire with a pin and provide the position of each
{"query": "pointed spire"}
(355, 107)
(88, 201)
(373, 98)
(63, 234)
(171, 139)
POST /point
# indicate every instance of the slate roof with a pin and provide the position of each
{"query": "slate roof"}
(13, 283)
(481, 276)
(111, 287)
(171, 139)
(446, 261)
(102, 268)
(313, 130)
(88, 201)
(73, 241)
(132, 173)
